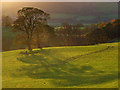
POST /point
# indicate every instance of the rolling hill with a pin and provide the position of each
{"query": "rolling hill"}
(94, 66)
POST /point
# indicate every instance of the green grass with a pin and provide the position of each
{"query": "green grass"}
(62, 67)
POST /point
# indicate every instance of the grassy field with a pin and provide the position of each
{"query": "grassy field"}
(93, 66)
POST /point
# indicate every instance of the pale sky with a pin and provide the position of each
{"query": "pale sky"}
(60, 0)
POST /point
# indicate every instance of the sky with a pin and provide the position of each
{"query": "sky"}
(71, 12)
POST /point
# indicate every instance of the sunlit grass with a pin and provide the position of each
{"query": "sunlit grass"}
(62, 67)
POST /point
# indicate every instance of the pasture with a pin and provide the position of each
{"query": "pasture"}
(94, 66)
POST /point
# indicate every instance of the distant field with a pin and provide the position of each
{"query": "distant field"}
(72, 66)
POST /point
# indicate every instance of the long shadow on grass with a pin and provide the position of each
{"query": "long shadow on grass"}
(63, 75)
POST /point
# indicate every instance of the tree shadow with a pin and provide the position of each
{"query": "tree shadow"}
(63, 74)
(38, 56)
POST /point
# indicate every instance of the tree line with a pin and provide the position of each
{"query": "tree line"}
(31, 30)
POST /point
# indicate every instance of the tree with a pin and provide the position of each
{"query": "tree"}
(29, 18)
(105, 32)
(6, 21)
(69, 34)
(44, 36)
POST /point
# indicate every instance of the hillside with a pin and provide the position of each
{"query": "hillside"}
(93, 66)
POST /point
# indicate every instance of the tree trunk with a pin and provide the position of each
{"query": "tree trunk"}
(38, 45)
(38, 41)
(29, 46)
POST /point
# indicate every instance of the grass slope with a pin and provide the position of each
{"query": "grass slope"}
(74, 66)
